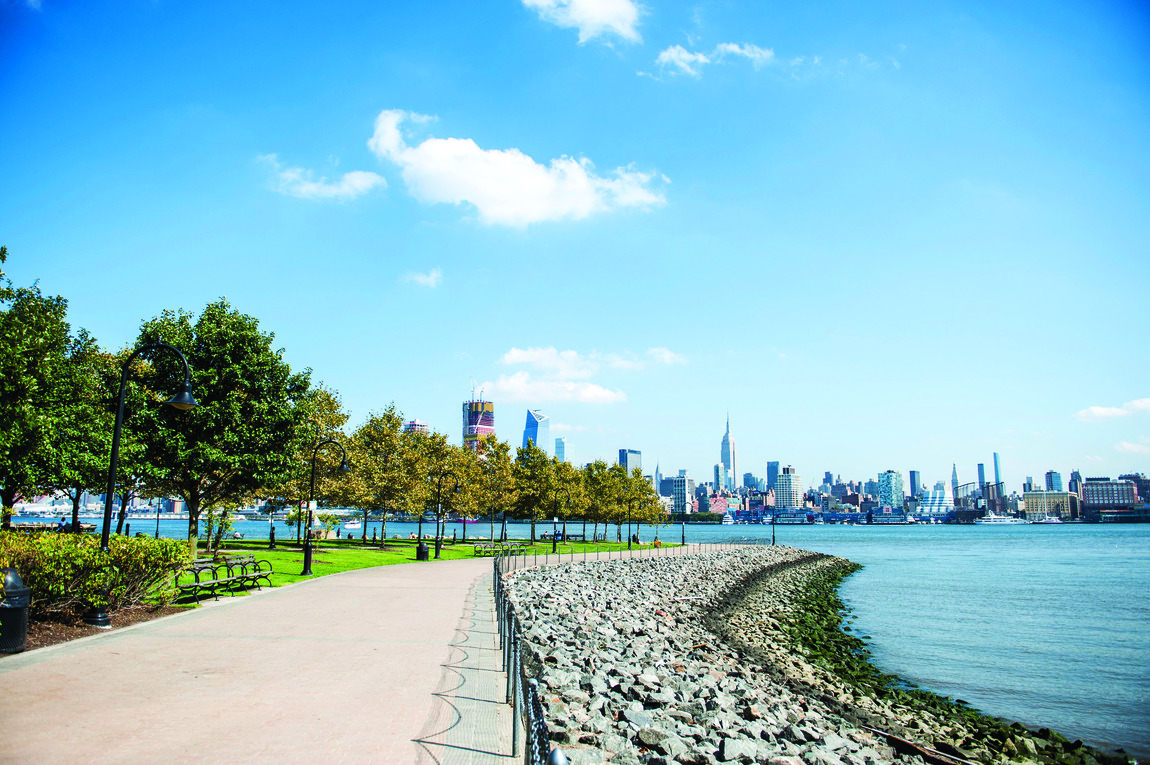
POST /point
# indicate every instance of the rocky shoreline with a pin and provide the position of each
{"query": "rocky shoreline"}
(737, 656)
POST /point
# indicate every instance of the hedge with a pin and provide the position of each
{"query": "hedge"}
(67, 573)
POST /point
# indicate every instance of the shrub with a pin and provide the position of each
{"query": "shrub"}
(67, 573)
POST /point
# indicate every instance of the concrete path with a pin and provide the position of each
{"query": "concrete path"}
(397, 664)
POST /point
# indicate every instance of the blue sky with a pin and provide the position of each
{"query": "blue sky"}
(880, 235)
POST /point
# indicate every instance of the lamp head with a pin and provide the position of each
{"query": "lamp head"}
(184, 400)
(344, 467)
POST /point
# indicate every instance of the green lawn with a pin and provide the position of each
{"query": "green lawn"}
(333, 556)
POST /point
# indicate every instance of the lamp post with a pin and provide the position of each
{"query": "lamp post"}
(183, 400)
(343, 468)
(683, 521)
(628, 524)
(554, 520)
(439, 506)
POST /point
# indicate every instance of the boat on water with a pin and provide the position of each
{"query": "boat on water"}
(353, 525)
(991, 519)
(728, 520)
(1048, 519)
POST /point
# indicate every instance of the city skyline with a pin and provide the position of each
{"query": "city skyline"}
(926, 227)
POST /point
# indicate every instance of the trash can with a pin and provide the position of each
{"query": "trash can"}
(14, 612)
(421, 551)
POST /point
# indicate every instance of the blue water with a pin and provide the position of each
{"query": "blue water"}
(1047, 625)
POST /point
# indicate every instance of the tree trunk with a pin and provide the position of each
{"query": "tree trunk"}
(220, 531)
(8, 499)
(193, 507)
(533, 529)
(123, 512)
(76, 510)
(364, 535)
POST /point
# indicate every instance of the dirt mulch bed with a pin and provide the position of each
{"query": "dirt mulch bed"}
(45, 633)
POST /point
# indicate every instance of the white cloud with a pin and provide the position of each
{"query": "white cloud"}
(430, 279)
(1129, 448)
(691, 62)
(555, 363)
(298, 182)
(685, 61)
(1092, 413)
(506, 186)
(666, 356)
(520, 386)
(758, 56)
(593, 18)
(562, 427)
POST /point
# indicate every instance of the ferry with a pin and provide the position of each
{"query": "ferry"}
(728, 520)
(990, 519)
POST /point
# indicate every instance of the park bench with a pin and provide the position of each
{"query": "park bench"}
(208, 575)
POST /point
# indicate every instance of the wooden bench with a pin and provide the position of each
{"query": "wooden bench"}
(208, 575)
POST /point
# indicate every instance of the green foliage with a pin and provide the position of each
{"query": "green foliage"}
(68, 572)
(252, 410)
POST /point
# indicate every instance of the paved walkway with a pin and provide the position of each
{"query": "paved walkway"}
(397, 664)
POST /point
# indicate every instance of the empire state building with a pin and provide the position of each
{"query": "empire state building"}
(729, 457)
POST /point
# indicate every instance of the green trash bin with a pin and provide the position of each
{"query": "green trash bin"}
(14, 612)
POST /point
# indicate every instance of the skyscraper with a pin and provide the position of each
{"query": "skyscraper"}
(631, 459)
(416, 426)
(537, 430)
(998, 473)
(721, 478)
(915, 483)
(788, 489)
(728, 456)
(890, 490)
(981, 475)
(772, 474)
(478, 421)
(682, 492)
(1053, 480)
(561, 449)
(954, 480)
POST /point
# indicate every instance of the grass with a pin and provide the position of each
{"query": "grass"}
(333, 556)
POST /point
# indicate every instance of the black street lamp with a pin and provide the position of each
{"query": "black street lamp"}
(683, 521)
(439, 508)
(343, 468)
(554, 539)
(182, 400)
(628, 524)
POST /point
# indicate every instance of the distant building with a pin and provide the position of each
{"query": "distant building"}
(788, 489)
(890, 489)
(721, 478)
(915, 483)
(772, 474)
(478, 421)
(416, 426)
(630, 459)
(1056, 504)
(938, 501)
(750, 482)
(1053, 480)
(870, 488)
(561, 449)
(1141, 485)
(729, 456)
(537, 430)
(954, 480)
(1104, 494)
(682, 493)
(981, 476)
(997, 471)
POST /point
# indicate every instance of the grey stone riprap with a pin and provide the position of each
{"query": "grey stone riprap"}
(631, 672)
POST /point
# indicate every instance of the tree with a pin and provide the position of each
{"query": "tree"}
(601, 487)
(387, 464)
(573, 502)
(251, 410)
(84, 423)
(33, 357)
(496, 481)
(535, 484)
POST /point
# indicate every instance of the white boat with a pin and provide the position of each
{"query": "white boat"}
(1048, 519)
(728, 520)
(353, 525)
(990, 519)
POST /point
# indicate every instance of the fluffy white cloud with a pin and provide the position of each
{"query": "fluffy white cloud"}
(1092, 413)
(555, 363)
(682, 59)
(430, 279)
(506, 186)
(691, 62)
(593, 18)
(666, 356)
(521, 386)
(298, 182)
(759, 57)
(1129, 448)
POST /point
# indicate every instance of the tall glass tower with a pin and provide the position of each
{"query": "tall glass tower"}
(537, 430)
(729, 457)
(561, 449)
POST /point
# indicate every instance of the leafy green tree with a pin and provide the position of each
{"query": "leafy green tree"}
(495, 482)
(33, 360)
(238, 440)
(601, 488)
(572, 503)
(535, 484)
(387, 465)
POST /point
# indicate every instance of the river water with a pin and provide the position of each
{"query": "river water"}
(1047, 625)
